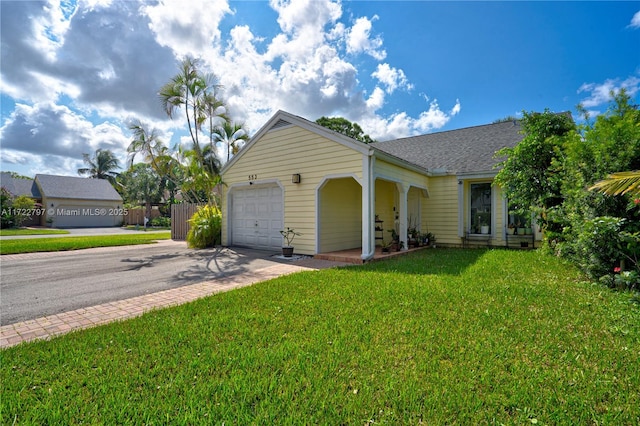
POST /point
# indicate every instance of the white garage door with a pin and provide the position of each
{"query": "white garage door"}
(72, 216)
(256, 214)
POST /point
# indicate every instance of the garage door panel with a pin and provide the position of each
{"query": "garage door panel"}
(257, 217)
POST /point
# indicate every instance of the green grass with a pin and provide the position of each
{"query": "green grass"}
(30, 231)
(32, 245)
(435, 337)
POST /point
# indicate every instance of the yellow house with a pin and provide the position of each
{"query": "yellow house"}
(341, 194)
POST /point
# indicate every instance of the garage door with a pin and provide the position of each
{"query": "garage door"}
(72, 216)
(256, 214)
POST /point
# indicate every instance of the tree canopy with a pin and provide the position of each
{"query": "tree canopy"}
(582, 182)
(346, 127)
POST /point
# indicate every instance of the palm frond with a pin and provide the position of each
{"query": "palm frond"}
(620, 183)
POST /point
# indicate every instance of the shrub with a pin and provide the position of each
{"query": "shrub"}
(164, 222)
(598, 246)
(206, 227)
(6, 204)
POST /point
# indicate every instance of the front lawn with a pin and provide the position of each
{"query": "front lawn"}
(434, 337)
(32, 245)
(30, 231)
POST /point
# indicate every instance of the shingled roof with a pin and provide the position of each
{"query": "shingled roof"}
(77, 188)
(460, 151)
(19, 186)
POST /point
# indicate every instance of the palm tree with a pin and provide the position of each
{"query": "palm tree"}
(145, 142)
(100, 166)
(619, 184)
(231, 135)
(195, 93)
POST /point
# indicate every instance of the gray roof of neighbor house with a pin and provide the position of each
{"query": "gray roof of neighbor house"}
(18, 186)
(459, 151)
(77, 188)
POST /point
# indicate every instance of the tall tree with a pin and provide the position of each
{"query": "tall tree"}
(529, 175)
(346, 127)
(232, 136)
(141, 186)
(197, 94)
(101, 165)
(145, 142)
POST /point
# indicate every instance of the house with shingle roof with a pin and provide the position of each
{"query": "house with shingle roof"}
(342, 194)
(74, 202)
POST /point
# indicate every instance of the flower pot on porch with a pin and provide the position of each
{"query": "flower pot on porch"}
(287, 251)
(484, 229)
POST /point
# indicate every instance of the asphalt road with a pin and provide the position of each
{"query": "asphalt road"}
(40, 284)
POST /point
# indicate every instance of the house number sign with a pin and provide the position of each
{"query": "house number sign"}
(253, 177)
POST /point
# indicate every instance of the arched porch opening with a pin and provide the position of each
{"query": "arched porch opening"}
(339, 215)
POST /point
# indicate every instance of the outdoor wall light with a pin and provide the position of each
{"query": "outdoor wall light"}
(295, 178)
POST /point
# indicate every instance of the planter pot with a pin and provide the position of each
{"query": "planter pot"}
(385, 249)
(484, 229)
(511, 231)
(520, 231)
(527, 231)
(287, 251)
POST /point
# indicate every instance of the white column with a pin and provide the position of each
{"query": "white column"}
(368, 208)
(403, 192)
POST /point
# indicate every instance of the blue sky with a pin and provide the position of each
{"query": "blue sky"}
(74, 73)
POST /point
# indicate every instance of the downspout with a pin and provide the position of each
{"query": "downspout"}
(368, 207)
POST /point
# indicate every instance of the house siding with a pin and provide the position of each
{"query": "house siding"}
(277, 155)
(440, 210)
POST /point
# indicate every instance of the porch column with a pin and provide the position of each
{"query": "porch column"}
(368, 207)
(403, 193)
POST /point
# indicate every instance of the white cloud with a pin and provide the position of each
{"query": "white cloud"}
(392, 78)
(188, 29)
(359, 39)
(600, 93)
(58, 132)
(635, 21)
(82, 70)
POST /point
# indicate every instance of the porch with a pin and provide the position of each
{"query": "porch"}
(355, 255)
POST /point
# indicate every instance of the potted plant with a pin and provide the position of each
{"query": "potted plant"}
(511, 229)
(386, 247)
(288, 235)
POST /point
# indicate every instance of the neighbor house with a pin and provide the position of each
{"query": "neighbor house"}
(74, 202)
(18, 186)
(342, 194)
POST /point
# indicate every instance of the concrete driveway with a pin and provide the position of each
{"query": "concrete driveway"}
(45, 285)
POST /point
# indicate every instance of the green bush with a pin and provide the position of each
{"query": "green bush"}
(164, 222)
(206, 227)
(598, 246)
(7, 219)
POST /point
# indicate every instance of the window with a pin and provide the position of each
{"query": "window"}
(480, 214)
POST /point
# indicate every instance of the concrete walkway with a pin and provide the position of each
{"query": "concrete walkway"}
(54, 325)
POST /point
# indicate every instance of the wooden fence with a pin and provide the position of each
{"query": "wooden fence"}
(136, 216)
(180, 215)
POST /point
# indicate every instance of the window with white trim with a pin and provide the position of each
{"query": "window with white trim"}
(480, 208)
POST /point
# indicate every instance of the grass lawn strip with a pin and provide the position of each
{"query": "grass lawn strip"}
(438, 337)
(33, 245)
(31, 231)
